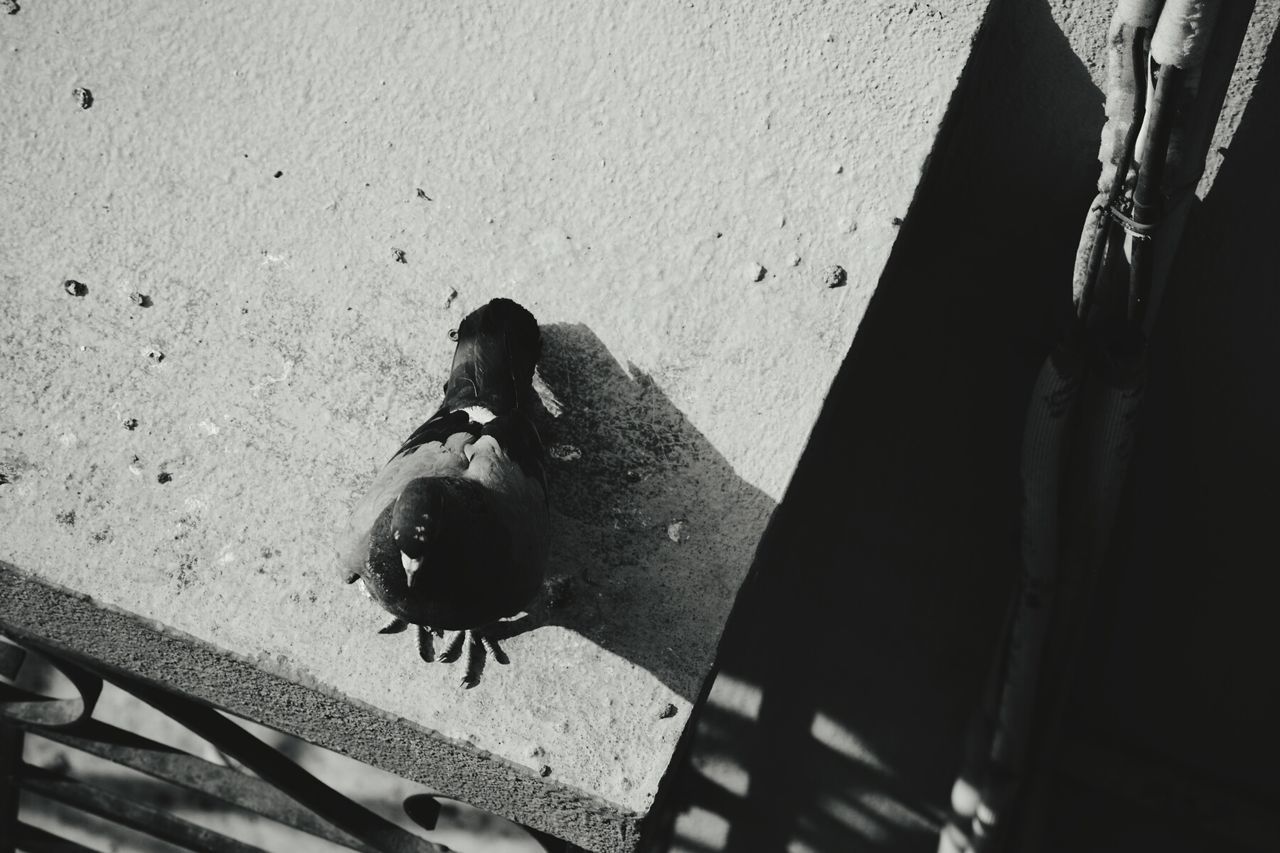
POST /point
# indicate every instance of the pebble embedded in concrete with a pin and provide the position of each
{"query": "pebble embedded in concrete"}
(565, 453)
(756, 272)
(155, 355)
(140, 299)
(676, 531)
(451, 295)
(558, 591)
(835, 276)
(83, 97)
(130, 423)
(75, 288)
(667, 712)
(398, 256)
(793, 260)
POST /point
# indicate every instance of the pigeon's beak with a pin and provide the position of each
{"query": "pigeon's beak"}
(411, 566)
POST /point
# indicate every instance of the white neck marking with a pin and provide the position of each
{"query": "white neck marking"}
(479, 414)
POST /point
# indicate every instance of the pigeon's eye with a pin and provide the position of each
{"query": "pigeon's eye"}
(453, 334)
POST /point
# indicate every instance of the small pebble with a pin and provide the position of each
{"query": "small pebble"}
(835, 276)
(897, 220)
(140, 299)
(449, 297)
(668, 712)
(756, 272)
(75, 288)
(164, 477)
(155, 355)
(675, 532)
(278, 175)
(782, 220)
(565, 453)
(422, 194)
(837, 169)
(83, 97)
(558, 591)
(398, 255)
(793, 260)
(130, 423)
(10, 6)
(545, 771)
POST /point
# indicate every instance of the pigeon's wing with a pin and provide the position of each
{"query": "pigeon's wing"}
(435, 449)
(519, 439)
(439, 427)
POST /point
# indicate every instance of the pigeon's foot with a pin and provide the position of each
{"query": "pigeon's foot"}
(473, 645)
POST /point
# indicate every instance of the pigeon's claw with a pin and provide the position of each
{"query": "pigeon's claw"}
(453, 643)
(426, 648)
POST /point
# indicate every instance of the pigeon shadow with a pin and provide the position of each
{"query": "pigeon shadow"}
(652, 530)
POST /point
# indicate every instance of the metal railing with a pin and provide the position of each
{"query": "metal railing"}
(278, 790)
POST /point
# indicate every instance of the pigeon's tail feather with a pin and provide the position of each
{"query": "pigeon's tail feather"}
(498, 347)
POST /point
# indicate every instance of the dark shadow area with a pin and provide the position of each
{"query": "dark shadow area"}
(1185, 635)
(880, 587)
(651, 527)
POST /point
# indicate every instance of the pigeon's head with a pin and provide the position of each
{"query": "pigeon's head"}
(434, 545)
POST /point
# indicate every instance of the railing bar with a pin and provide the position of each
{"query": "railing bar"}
(171, 765)
(33, 839)
(277, 770)
(11, 738)
(11, 658)
(155, 823)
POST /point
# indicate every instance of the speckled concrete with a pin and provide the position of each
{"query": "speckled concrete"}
(664, 187)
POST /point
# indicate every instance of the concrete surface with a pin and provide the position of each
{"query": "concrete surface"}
(850, 740)
(252, 169)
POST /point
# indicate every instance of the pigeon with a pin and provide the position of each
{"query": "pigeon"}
(453, 534)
